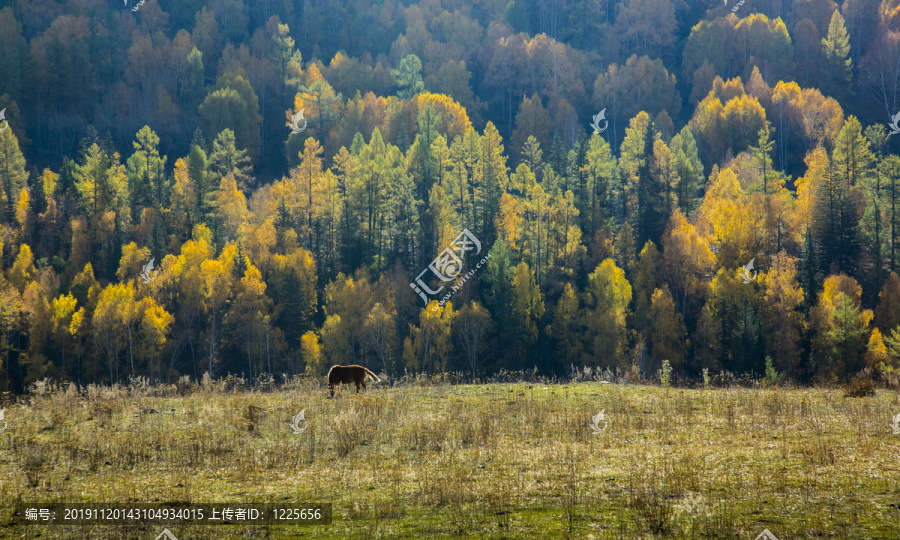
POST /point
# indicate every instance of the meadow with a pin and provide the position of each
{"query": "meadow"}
(437, 460)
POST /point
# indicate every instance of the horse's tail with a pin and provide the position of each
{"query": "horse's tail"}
(370, 374)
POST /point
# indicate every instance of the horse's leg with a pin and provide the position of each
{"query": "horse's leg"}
(331, 386)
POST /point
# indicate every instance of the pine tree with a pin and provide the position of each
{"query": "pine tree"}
(889, 170)
(409, 77)
(650, 223)
(595, 194)
(158, 245)
(226, 158)
(403, 138)
(846, 334)
(875, 192)
(37, 197)
(761, 155)
(197, 139)
(490, 182)
(532, 155)
(576, 161)
(843, 189)
(66, 180)
(198, 171)
(558, 156)
(837, 53)
(146, 172)
(100, 182)
(527, 311)
(626, 249)
(283, 222)
(281, 52)
(240, 263)
(747, 342)
(13, 175)
(193, 89)
(810, 264)
(423, 164)
(852, 155)
(836, 223)
(689, 169)
(497, 290)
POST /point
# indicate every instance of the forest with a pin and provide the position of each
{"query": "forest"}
(291, 167)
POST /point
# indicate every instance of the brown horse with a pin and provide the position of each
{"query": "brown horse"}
(349, 375)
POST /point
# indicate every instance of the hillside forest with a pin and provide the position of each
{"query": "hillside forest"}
(292, 167)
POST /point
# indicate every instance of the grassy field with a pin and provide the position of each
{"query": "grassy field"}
(467, 461)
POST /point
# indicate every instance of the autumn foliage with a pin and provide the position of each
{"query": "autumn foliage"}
(166, 136)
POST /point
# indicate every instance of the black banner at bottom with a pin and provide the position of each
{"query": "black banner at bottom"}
(260, 514)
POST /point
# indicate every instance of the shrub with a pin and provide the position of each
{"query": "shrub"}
(860, 386)
(773, 378)
(665, 374)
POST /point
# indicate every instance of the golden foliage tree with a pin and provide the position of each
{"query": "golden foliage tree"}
(607, 298)
(841, 326)
(668, 336)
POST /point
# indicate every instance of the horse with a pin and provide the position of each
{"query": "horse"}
(349, 375)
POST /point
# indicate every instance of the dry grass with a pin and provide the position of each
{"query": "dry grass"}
(477, 461)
